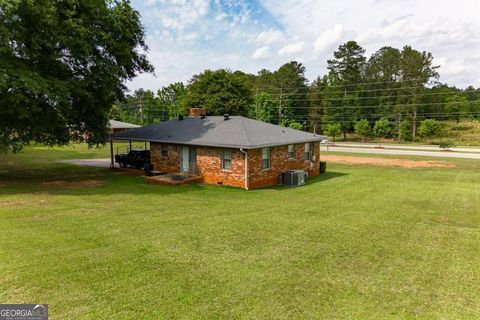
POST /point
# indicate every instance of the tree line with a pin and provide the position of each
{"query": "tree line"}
(395, 88)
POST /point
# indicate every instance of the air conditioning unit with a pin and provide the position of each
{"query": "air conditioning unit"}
(293, 178)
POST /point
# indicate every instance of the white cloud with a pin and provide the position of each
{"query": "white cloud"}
(188, 36)
(449, 67)
(179, 14)
(269, 37)
(293, 48)
(328, 39)
(261, 53)
(220, 16)
(437, 32)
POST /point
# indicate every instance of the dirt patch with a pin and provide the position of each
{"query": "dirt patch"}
(74, 184)
(44, 200)
(387, 162)
(13, 204)
(129, 171)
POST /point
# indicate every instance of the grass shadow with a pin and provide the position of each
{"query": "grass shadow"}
(326, 176)
(310, 181)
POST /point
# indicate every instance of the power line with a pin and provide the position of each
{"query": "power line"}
(351, 84)
(385, 97)
(342, 92)
(345, 119)
(376, 115)
(352, 106)
(383, 106)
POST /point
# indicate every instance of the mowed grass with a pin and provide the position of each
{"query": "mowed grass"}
(360, 242)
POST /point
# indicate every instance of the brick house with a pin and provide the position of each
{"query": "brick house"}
(234, 151)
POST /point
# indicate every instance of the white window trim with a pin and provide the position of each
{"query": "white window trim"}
(161, 150)
(294, 152)
(269, 159)
(222, 160)
(309, 158)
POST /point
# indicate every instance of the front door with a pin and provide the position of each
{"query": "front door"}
(188, 159)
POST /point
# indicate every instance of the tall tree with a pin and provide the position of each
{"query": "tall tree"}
(292, 91)
(289, 86)
(62, 66)
(457, 107)
(417, 70)
(348, 64)
(141, 107)
(348, 70)
(265, 107)
(219, 92)
(382, 75)
(171, 100)
(315, 95)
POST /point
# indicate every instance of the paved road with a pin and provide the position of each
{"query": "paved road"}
(406, 147)
(442, 154)
(101, 163)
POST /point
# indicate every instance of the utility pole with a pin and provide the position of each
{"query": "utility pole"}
(399, 129)
(280, 104)
(414, 125)
(175, 107)
(163, 111)
(256, 102)
(141, 111)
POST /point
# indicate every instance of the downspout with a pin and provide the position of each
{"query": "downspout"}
(246, 167)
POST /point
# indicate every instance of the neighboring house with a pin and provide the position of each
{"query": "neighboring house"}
(234, 151)
(117, 126)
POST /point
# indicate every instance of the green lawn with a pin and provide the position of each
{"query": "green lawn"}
(359, 242)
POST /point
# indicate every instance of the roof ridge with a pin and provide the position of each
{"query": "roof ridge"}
(245, 132)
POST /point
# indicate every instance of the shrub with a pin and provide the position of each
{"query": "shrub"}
(295, 125)
(382, 128)
(333, 130)
(429, 128)
(363, 128)
(323, 166)
(446, 144)
(405, 131)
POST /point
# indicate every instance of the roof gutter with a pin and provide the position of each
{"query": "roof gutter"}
(246, 167)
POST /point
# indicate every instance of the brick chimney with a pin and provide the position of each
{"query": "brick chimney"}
(196, 112)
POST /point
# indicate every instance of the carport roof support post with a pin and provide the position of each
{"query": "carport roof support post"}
(111, 154)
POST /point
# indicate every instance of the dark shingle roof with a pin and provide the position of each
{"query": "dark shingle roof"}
(237, 132)
(114, 124)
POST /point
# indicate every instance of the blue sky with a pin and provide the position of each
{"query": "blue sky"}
(188, 36)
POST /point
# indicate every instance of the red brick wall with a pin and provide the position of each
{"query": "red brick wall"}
(196, 112)
(209, 164)
(170, 164)
(279, 162)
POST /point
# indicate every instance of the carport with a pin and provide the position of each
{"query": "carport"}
(118, 126)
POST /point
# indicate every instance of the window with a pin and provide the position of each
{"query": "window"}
(307, 155)
(291, 151)
(227, 159)
(265, 158)
(164, 150)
